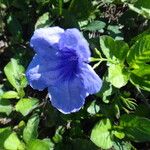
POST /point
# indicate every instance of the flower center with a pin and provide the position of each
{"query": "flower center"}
(69, 63)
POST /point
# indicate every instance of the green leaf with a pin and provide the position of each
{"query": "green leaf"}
(139, 52)
(13, 143)
(30, 132)
(10, 95)
(43, 21)
(5, 106)
(4, 134)
(101, 134)
(93, 108)
(118, 134)
(95, 26)
(142, 7)
(136, 128)
(37, 144)
(114, 50)
(106, 90)
(121, 145)
(15, 75)
(141, 77)
(26, 105)
(117, 75)
(114, 31)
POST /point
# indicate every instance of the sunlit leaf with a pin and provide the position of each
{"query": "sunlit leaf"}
(26, 105)
(101, 134)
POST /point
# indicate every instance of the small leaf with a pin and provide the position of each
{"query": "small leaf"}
(5, 106)
(121, 145)
(141, 7)
(10, 95)
(43, 21)
(117, 75)
(106, 90)
(114, 50)
(93, 108)
(26, 105)
(114, 31)
(30, 131)
(136, 128)
(101, 134)
(13, 143)
(141, 77)
(4, 134)
(40, 145)
(15, 74)
(118, 134)
(139, 53)
(95, 26)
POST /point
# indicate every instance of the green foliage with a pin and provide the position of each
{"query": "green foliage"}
(141, 7)
(117, 117)
(40, 144)
(5, 106)
(26, 105)
(14, 72)
(4, 134)
(43, 21)
(136, 128)
(13, 142)
(101, 134)
(95, 26)
(30, 131)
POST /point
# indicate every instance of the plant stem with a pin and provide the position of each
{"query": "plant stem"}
(71, 5)
(60, 7)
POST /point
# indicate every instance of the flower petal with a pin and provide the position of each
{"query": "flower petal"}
(41, 74)
(73, 39)
(91, 80)
(68, 96)
(45, 38)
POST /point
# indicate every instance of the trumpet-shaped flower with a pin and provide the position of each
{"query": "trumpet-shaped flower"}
(61, 65)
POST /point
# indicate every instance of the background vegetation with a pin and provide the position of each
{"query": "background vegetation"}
(118, 117)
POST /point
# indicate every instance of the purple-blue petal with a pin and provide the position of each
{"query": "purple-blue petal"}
(68, 96)
(92, 82)
(43, 72)
(73, 39)
(45, 40)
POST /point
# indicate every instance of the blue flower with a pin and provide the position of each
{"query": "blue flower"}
(61, 65)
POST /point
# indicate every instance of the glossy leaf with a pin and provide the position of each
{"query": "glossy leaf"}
(13, 143)
(101, 134)
(10, 95)
(141, 7)
(43, 21)
(15, 74)
(30, 132)
(38, 144)
(95, 26)
(114, 50)
(5, 106)
(26, 105)
(117, 75)
(139, 52)
(136, 128)
(93, 108)
(4, 134)
(141, 77)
